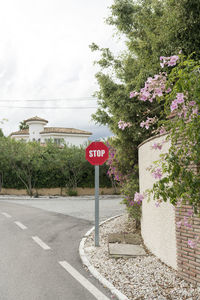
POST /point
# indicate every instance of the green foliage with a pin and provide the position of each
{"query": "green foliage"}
(72, 193)
(1, 133)
(23, 125)
(134, 209)
(181, 176)
(152, 28)
(30, 165)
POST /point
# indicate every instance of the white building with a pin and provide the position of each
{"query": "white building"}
(38, 132)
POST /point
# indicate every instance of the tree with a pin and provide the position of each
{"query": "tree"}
(152, 28)
(25, 159)
(23, 125)
(70, 164)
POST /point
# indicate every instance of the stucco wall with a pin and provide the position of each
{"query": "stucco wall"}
(70, 139)
(34, 130)
(158, 223)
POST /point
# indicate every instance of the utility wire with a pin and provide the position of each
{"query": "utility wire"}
(53, 107)
(49, 100)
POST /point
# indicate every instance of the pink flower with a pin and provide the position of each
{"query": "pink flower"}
(179, 224)
(157, 174)
(147, 123)
(186, 224)
(133, 94)
(169, 61)
(157, 146)
(192, 243)
(157, 204)
(192, 103)
(172, 60)
(143, 97)
(174, 105)
(162, 130)
(190, 212)
(122, 125)
(138, 198)
(180, 98)
(179, 202)
(158, 92)
(168, 90)
(195, 111)
(142, 124)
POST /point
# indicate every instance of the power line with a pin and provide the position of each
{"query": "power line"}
(50, 99)
(53, 107)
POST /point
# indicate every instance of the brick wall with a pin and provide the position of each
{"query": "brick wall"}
(188, 258)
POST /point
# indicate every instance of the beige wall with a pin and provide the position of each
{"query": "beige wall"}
(158, 223)
(58, 191)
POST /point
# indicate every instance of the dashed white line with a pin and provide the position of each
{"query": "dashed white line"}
(6, 215)
(82, 280)
(40, 243)
(20, 225)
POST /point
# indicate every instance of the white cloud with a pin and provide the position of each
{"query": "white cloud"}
(45, 54)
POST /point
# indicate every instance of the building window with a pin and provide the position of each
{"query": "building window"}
(48, 140)
(57, 141)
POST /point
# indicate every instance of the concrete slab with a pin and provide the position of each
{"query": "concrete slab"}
(116, 238)
(132, 238)
(125, 238)
(125, 250)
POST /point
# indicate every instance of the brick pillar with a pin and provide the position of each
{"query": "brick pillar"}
(188, 258)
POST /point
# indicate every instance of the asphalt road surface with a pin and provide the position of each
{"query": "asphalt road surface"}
(79, 207)
(39, 257)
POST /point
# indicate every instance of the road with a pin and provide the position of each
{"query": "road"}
(39, 257)
(79, 207)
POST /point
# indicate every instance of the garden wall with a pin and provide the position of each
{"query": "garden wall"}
(188, 258)
(59, 191)
(158, 223)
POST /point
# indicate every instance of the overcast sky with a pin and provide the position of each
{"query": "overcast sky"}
(44, 54)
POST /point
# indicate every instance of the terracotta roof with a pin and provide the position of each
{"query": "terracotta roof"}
(36, 119)
(20, 132)
(64, 130)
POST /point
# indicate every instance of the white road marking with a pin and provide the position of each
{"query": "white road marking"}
(40, 243)
(6, 215)
(82, 280)
(20, 225)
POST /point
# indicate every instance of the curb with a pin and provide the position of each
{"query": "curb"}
(92, 270)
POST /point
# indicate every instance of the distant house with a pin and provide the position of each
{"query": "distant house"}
(38, 132)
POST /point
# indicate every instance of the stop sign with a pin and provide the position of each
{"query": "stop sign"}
(97, 153)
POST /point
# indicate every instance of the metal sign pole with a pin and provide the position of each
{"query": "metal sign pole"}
(96, 206)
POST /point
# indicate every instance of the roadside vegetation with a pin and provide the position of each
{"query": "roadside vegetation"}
(156, 33)
(31, 165)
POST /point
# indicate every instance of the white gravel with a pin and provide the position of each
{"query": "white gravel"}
(137, 278)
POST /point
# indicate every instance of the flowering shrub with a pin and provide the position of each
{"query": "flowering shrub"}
(129, 184)
(178, 170)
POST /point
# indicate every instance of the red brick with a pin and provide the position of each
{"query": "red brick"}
(194, 263)
(186, 278)
(189, 235)
(188, 272)
(187, 230)
(188, 249)
(182, 252)
(182, 259)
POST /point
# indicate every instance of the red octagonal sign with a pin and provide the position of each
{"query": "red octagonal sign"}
(97, 153)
